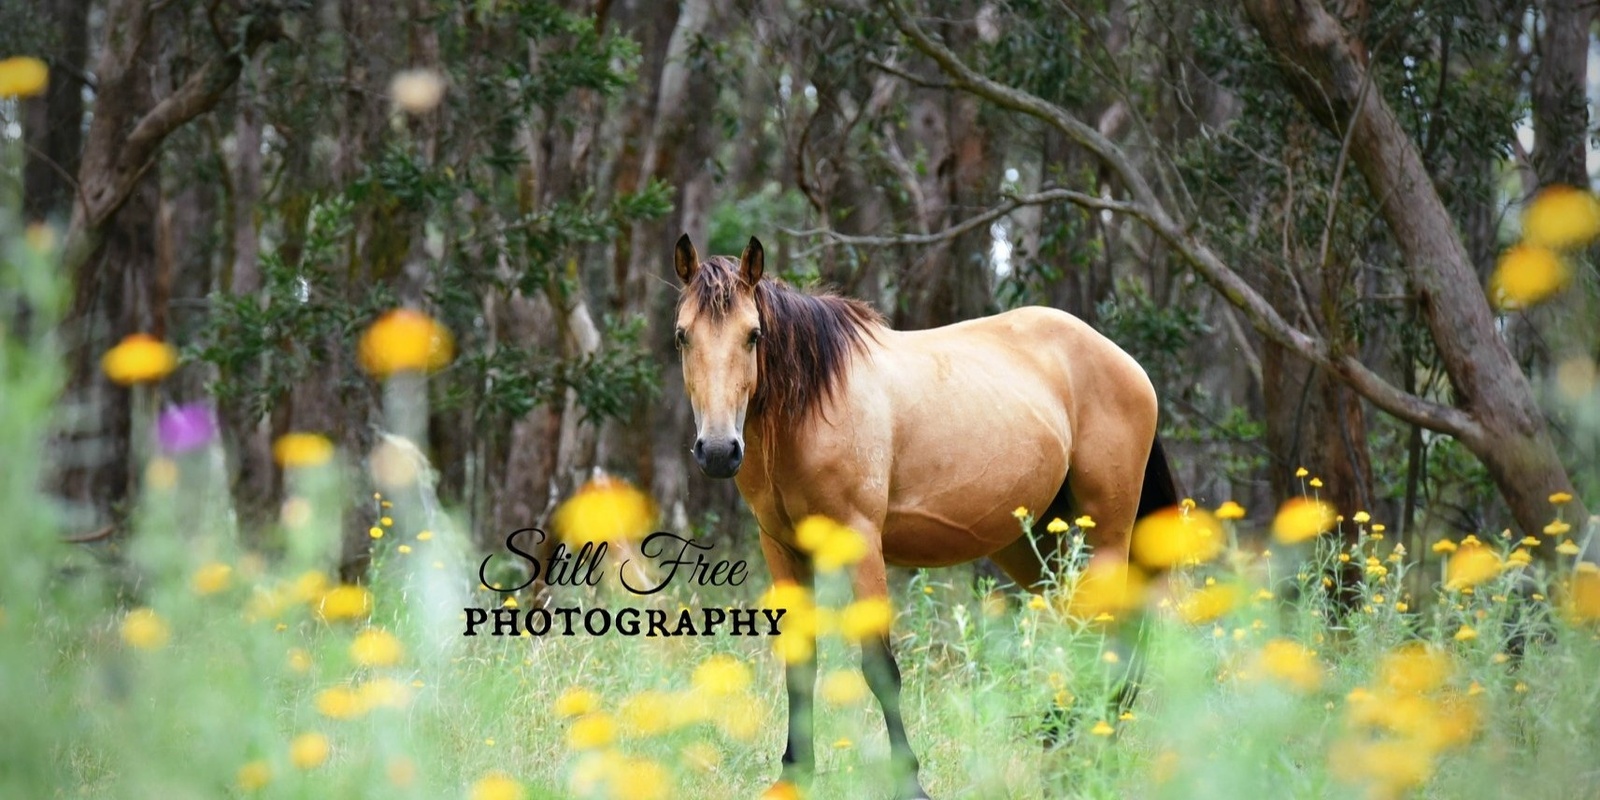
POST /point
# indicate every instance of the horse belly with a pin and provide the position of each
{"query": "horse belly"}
(956, 487)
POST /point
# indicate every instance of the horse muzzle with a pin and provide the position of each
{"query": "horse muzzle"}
(719, 458)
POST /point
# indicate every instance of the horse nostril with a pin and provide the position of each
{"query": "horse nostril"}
(700, 450)
(738, 452)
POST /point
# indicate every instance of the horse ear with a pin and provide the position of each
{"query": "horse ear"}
(752, 263)
(684, 259)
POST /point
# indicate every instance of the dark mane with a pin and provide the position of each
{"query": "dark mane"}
(806, 339)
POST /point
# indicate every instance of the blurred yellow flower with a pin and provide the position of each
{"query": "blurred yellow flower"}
(1465, 634)
(1560, 498)
(1390, 766)
(293, 450)
(211, 578)
(1058, 526)
(1102, 728)
(23, 76)
(383, 693)
(1471, 565)
(1300, 519)
(1301, 472)
(843, 687)
(865, 619)
(1230, 510)
(1085, 522)
(1582, 593)
(376, 647)
(339, 702)
(345, 602)
(576, 701)
(782, 790)
(1020, 512)
(606, 509)
(1107, 586)
(1415, 668)
(591, 731)
(641, 779)
(1361, 517)
(1561, 218)
(1172, 537)
(1558, 528)
(647, 713)
(832, 546)
(1037, 603)
(401, 772)
(1528, 274)
(139, 358)
(1208, 603)
(1444, 546)
(1316, 483)
(1519, 558)
(309, 750)
(253, 776)
(405, 340)
(721, 674)
(496, 786)
(299, 660)
(1290, 663)
(144, 629)
(1567, 548)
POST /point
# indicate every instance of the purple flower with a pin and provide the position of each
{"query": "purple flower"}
(185, 428)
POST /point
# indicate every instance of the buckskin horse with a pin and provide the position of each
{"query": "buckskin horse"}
(921, 441)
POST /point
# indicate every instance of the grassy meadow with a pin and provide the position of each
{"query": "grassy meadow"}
(185, 664)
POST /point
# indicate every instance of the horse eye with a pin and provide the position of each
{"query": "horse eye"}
(680, 339)
(755, 336)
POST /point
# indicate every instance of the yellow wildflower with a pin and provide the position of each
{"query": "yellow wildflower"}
(1058, 526)
(1567, 548)
(496, 786)
(309, 750)
(641, 779)
(591, 731)
(345, 602)
(405, 340)
(1085, 522)
(1290, 663)
(1230, 510)
(832, 546)
(1561, 218)
(1020, 512)
(139, 358)
(302, 450)
(1465, 634)
(1470, 566)
(376, 647)
(339, 702)
(383, 693)
(1582, 593)
(1316, 483)
(1300, 519)
(1361, 517)
(1557, 528)
(1560, 498)
(299, 660)
(866, 618)
(576, 701)
(1444, 546)
(1208, 603)
(647, 713)
(144, 629)
(605, 510)
(253, 776)
(1301, 472)
(1528, 274)
(1530, 541)
(1102, 728)
(782, 790)
(211, 578)
(842, 687)
(721, 675)
(23, 76)
(1170, 537)
(1107, 586)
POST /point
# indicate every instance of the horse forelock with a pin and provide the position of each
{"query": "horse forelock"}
(807, 340)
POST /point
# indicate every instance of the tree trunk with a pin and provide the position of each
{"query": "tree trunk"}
(1560, 105)
(53, 124)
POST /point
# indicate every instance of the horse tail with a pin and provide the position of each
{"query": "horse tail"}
(1160, 491)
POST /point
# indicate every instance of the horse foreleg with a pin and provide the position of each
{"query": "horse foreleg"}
(800, 675)
(883, 678)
